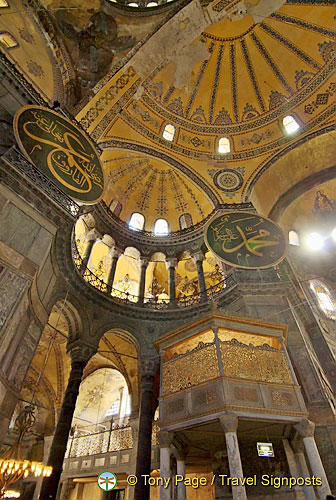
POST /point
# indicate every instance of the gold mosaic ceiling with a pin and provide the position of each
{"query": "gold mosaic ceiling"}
(254, 76)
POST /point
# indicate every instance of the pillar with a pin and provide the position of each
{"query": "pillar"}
(293, 469)
(165, 439)
(148, 368)
(298, 448)
(80, 355)
(181, 471)
(198, 259)
(143, 268)
(229, 423)
(306, 428)
(114, 253)
(91, 238)
(171, 266)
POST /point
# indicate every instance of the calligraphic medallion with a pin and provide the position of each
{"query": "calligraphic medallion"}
(61, 151)
(245, 239)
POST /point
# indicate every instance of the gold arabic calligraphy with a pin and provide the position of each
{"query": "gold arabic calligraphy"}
(68, 155)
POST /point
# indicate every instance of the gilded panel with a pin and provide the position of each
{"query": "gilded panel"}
(265, 365)
(195, 368)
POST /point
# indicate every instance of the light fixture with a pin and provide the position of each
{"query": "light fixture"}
(11, 494)
(12, 465)
(333, 234)
(315, 241)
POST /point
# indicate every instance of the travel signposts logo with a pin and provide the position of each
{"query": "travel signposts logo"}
(107, 481)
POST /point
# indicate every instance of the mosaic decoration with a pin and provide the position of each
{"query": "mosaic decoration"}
(143, 202)
(247, 240)
(228, 180)
(180, 204)
(256, 138)
(302, 78)
(328, 50)
(216, 81)
(61, 151)
(321, 99)
(162, 202)
(252, 75)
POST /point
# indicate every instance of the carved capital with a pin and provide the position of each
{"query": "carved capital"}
(198, 257)
(171, 262)
(144, 261)
(92, 235)
(305, 428)
(149, 366)
(229, 421)
(165, 438)
(115, 252)
(81, 352)
(297, 445)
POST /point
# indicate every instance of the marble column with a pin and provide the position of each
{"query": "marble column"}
(80, 355)
(142, 283)
(181, 471)
(198, 259)
(114, 253)
(298, 448)
(229, 423)
(305, 429)
(293, 469)
(91, 237)
(171, 266)
(148, 368)
(165, 439)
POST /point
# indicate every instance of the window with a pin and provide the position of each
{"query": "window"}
(133, 4)
(224, 145)
(137, 221)
(293, 238)
(7, 40)
(3, 3)
(114, 410)
(152, 4)
(324, 298)
(161, 227)
(116, 207)
(185, 221)
(290, 124)
(169, 132)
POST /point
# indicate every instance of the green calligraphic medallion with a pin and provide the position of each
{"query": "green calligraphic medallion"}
(245, 239)
(61, 151)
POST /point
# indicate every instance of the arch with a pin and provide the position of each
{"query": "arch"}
(137, 221)
(324, 298)
(224, 145)
(169, 132)
(161, 227)
(290, 124)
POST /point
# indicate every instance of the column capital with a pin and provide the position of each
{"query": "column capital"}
(297, 445)
(198, 257)
(115, 252)
(81, 352)
(171, 262)
(165, 438)
(305, 428)
(229, 421)
(92, 235)
(149, 365)
(144, 261)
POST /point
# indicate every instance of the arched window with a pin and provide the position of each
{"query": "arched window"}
(161, 227)
(116, 207)
(290, 124)
(324, 298)
(293, 238)
(224, 145)
(3, 3)
(169, 132)
(152, 4)
(185, 221)
(137, 221)
(7, 40)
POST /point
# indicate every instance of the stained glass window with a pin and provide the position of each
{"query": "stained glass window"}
(324, 298)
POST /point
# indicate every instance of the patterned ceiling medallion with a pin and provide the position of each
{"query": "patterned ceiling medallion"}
(228, 180)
